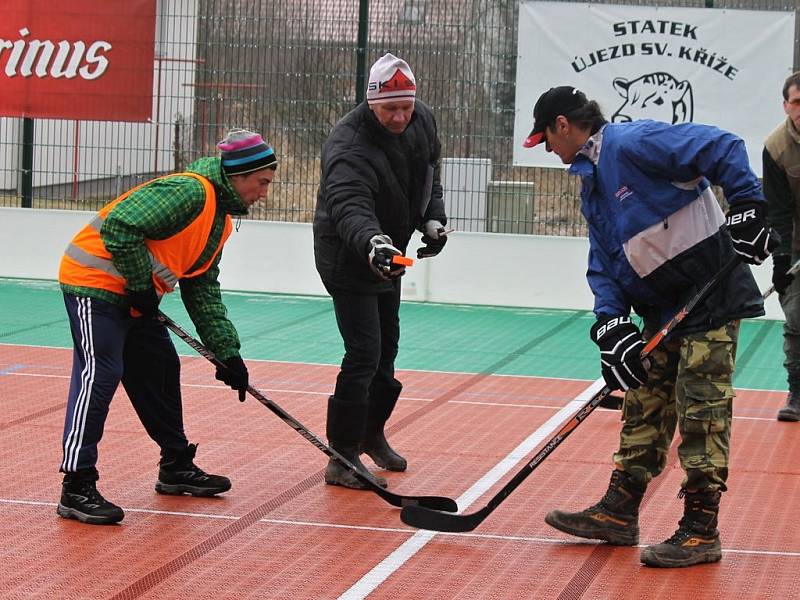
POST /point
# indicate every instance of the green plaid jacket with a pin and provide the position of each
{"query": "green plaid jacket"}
(157, 211)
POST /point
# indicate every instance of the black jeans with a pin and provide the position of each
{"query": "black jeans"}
(366, 390)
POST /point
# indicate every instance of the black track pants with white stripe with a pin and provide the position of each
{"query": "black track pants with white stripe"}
(110, 347)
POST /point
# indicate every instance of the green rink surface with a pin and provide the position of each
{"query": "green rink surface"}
(434, 337)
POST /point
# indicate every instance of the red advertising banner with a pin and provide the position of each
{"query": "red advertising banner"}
(77, 59)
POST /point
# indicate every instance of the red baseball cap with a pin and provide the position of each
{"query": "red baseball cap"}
(556, 101)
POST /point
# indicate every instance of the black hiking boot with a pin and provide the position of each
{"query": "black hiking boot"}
(614, 519)
(337, 474)
(697, 538)
(177, 474)
(80, 500)
(382, 454)
(790, 412)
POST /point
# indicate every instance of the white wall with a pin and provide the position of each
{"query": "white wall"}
(475, 268)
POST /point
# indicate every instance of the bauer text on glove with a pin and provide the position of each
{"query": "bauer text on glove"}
(753, 240)
(621, 346)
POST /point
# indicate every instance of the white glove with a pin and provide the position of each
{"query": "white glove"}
(380, 257)
(434, 237)
(433, 229)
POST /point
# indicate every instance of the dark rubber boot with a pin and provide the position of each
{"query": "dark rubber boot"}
(790, 412)
(80, 500)
(382, 454)
(697, 538)
(179, 475)
(614, 519)
(337, 474)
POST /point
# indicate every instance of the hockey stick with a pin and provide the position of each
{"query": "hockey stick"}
(614, 401)
(424, 518)
(432, 502)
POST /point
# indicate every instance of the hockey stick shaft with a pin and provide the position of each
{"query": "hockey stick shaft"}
(434, 502)
(437, 521)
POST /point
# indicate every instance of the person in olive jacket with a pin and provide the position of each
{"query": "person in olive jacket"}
(380, 181)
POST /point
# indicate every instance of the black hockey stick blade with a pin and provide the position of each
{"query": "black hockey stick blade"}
(432, 502)
(423, 518)
(435, 520)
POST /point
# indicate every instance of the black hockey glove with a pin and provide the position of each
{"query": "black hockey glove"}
(434, 238)
(781, 279)
(621, 346)
(752, 238)
(380, 256)
(144, 301)
(234, 375)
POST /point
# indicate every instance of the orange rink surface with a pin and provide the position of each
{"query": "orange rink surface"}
(282, 533)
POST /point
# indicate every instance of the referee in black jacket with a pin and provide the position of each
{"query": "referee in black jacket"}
(380, 181)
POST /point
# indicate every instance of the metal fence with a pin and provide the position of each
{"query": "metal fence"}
(289, 69)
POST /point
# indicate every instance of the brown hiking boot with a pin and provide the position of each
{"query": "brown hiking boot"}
(697, 538)
(614, 519)
(790, 412)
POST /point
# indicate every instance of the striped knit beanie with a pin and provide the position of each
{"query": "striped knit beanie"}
(245, 151)
(390, 80)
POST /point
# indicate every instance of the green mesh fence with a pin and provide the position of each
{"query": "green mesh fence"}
(290, 70)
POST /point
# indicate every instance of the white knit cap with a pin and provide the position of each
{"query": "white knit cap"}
(390, 80)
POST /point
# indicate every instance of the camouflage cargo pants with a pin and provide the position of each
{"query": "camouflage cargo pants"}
(689, 387)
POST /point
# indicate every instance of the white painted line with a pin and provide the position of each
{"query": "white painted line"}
(384, 569)
(400, 530)
(221, 387)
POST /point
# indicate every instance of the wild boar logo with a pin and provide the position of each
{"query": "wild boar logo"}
(658, 96)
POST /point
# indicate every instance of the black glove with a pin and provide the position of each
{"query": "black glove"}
(752, 238)
(434, 238)
(380, 257)
(621, 348)
(780, 278)
(235, 375)
(144, 301)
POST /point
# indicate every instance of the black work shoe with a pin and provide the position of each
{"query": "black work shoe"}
(80, 500)
(382, 454)
(615, 519)
(179, 475)
(790, 412)
(683, 549)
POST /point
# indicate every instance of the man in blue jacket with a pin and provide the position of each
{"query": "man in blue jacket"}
(656, 236)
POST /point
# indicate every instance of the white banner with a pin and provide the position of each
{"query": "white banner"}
(717, 66)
